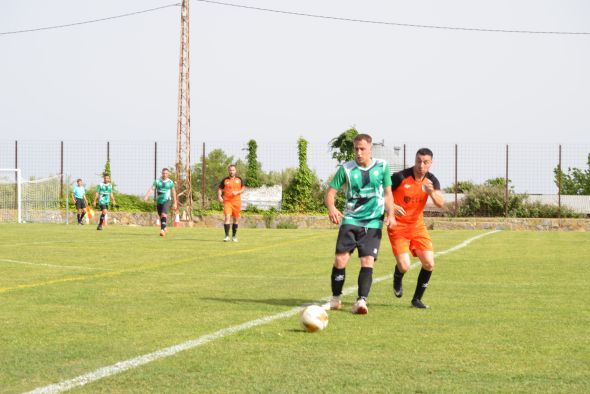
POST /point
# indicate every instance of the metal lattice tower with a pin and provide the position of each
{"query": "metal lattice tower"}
(183, 126)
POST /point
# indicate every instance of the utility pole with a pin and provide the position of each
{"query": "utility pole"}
(183, 125)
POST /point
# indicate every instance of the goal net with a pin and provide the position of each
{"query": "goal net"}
(33, 201)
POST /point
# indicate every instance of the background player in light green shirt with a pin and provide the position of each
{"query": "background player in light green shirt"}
(104, 194)
(79, 196)
(368, 196)
(165, 195)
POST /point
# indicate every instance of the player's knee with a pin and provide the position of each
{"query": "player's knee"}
(428, 265)
(341, 260)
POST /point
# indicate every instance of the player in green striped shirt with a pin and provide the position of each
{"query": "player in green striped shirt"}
(104, 194)
(165, 196)
(368, 196)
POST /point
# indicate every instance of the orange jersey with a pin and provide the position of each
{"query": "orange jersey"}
(230, 185)
(408, 193)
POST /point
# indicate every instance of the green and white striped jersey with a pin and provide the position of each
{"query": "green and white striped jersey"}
(365, 196)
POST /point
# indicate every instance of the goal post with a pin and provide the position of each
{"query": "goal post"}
(32, 201)
(10, 195)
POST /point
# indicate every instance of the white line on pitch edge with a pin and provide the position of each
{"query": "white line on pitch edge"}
(52, 265)
(191, 344)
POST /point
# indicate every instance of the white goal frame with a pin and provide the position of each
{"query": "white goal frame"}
(19, 181)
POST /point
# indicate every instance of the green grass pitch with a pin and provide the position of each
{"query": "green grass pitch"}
(509, 313)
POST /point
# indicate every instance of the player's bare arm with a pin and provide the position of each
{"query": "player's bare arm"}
(240, 191)
(333, 213)
(95, 198)
(390, 221)
(113, 198)
(219, 196)
(150, 192)
(435, 195)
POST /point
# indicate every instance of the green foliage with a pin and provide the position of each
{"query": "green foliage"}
(253, 174)
(461, 187)
(107, 168)
(489, 199)
(288, 224)
(283, 177)
(536, 209)
(342, 147)
(303, 193)
(269, 217)
(575, 182)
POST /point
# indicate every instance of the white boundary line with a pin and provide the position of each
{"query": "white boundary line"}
(202, 340)
(52, 265)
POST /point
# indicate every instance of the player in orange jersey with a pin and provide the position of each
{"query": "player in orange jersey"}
(411, 189)
(229, 193)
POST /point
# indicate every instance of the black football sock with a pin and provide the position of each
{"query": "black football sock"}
(234, 229)
(163, 223)
(338, 276)
(101, 219)
(423, 279)
(82, 215)
(226, 228)
(78, 217)
(398, 275)
(365, 281)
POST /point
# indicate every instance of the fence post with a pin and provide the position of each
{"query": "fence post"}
(108, 151)
(404, 156)
(61, 169)
(203, 173)
(156, 166)
(559, 185)
(456, 180)
(506, 186)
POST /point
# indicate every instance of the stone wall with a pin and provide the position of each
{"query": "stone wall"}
(319, 222)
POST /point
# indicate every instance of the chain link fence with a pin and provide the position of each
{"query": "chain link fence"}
(529, 168)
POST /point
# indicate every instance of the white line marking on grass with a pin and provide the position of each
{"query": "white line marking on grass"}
(202, 340)
(52, 265)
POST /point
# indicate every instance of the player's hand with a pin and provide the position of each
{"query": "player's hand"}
(398, 210)
(390, 222)
(334, 214)
(145, 198)
(220, 199)
(427, 186)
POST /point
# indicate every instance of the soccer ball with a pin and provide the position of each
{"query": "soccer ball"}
(314, 318)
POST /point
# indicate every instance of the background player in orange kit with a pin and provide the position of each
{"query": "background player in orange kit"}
(231, 187)
(411, 189)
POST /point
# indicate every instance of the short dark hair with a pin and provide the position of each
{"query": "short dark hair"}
(105, 174)
(165, 169)
(424, 152)
(230, 166)
(79, 180)
(363, 137)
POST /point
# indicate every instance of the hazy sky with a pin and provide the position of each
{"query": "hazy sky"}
(276, 77)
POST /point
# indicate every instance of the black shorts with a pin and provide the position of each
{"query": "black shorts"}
(80, 203)
(164, 208)
(103, 206)
(367, 240)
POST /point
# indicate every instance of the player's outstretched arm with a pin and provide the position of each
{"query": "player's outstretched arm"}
(333, 213)
(149, 193)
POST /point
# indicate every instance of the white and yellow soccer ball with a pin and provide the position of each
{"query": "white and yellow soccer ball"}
(314, 318)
